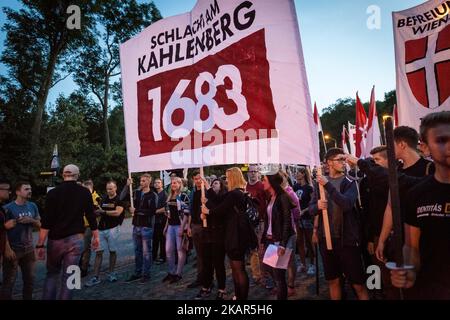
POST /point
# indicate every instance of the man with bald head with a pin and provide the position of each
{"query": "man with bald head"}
(63, 225)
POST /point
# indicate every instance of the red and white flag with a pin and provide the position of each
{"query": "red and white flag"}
(317, 119)
(222, 84)
(422, 54)
(344, 139)
(373, 138)
(361, 127)
(395, 116)
(352, 138)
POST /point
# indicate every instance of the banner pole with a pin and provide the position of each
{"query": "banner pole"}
(131, 190)
(326, 222)
(205, 222)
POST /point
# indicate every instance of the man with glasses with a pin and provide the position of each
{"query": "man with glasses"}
(345, 257)
(22, 216)
(256, 190)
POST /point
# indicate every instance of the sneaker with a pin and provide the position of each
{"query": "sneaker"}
(175, 279)
(269, 284)
(311, 270)
(133, 277)
(112, 277)
(203, 293)
(194, 284)
(144, 280)
(168, 277)
(160, 261)
(301, 268)
(220, 295)
(92, 282)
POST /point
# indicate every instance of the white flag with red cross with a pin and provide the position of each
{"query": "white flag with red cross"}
(422, 53)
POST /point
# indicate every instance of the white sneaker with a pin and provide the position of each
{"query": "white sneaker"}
(92, 282)
(311, 270)
(112, 277)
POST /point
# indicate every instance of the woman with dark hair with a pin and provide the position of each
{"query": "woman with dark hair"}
(213, 244)
(238, 231)
(278, 228)
(304, 190)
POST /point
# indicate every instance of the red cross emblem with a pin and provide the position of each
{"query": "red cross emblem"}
(428, 67)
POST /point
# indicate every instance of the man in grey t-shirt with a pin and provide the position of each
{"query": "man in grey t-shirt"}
(22, 216)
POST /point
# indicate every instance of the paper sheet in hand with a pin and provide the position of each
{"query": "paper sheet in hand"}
(272, 259)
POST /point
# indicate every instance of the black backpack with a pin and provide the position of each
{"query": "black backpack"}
(251, 210)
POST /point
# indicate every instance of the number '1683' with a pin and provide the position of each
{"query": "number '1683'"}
(192, 110)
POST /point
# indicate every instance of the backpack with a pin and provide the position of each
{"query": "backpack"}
(251, 211)
(247, 220)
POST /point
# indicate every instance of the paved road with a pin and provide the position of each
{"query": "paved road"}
(155, 289)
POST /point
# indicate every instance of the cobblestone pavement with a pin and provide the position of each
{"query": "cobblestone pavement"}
(155, 289)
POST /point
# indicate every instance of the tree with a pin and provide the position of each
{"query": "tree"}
(117, 21)
(37, 46)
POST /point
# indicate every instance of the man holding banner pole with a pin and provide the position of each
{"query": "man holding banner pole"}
(196, 223)
(427, 220)
(143, 208)
(345, 255)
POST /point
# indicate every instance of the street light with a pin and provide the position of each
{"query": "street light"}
(328, 137)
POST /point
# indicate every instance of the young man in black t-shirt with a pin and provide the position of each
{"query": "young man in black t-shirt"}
(145, 202)
(111, 214)
(159, 240)
(427, 225)
(406, 143)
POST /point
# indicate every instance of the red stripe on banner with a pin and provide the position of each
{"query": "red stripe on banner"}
(443, 41)
(418, 84)
(415, 49)
(443, 83)
(249, 56)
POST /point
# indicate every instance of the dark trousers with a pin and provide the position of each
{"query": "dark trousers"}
(159, 242)
(26, 262)
(197, 231)
(279, 275)
(213, 259)
(86, 254)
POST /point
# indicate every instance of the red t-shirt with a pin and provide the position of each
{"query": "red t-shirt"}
(257, 192)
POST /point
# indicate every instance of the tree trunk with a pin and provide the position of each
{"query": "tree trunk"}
(42, 99)
(105, 115)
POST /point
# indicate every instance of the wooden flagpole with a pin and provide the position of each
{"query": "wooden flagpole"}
(395, 198)
(203, 195)
(131, 191)
(326, 221)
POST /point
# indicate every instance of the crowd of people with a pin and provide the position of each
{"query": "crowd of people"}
(216, 220)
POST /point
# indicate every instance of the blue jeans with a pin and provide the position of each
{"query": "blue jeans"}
(142, 238)
(173, 244)
(61, 254)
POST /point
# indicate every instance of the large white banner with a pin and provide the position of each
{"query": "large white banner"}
(422, 52)
(222, 84)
